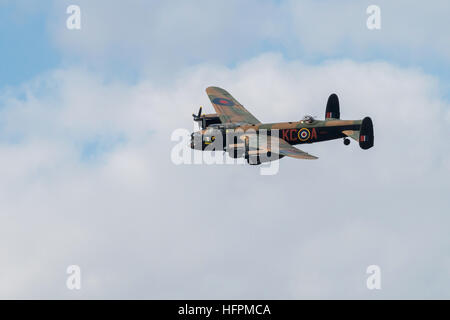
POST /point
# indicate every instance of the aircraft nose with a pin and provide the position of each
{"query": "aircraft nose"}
(195, 138)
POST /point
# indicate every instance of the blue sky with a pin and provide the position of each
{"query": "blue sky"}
(86, 118)
(25, 46)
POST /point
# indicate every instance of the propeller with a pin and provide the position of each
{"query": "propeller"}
(197, 117)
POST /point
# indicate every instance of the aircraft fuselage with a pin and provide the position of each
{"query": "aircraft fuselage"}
(294, 133)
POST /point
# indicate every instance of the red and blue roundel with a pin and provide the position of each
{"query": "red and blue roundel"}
(223, 102)
(303, 134)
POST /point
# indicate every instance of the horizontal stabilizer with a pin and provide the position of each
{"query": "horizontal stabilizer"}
(354, 134)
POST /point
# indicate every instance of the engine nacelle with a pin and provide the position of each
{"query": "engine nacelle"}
(236, 153)
(236, 150)
(209, 119)
(258, 158)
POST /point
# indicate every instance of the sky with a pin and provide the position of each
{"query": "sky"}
(86, 176)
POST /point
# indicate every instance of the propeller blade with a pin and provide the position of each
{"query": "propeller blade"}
(246, 146)
(197, 116)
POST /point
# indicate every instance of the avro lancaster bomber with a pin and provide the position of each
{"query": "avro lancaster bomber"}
(235, 130)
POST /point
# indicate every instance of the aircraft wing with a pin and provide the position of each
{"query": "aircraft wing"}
(228, 108)
(290, 151)
(275, 145)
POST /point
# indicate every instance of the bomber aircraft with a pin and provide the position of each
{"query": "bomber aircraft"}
(235, 130)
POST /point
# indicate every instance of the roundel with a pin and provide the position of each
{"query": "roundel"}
(303, 134)
(223, 102)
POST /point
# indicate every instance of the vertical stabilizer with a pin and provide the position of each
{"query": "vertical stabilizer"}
(332, 111)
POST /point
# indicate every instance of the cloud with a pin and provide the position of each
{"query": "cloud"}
(340, 28)
(141, 227)
(158, 38)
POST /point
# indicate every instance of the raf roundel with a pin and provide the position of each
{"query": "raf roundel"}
(303, 134)
(223, 102)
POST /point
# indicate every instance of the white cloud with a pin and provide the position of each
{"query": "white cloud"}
(159, 38)
(408, 30)
(141, 227)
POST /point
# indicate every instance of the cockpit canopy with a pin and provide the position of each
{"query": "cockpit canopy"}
(308, 119)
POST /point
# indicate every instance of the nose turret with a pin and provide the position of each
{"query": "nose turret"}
(196, 140)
